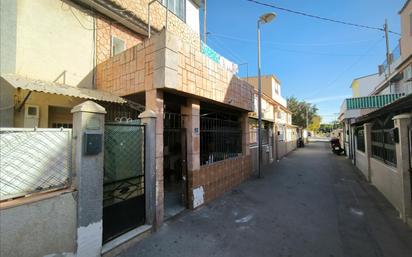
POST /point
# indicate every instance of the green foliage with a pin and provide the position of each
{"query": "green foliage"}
(298, 109)
(315, 123)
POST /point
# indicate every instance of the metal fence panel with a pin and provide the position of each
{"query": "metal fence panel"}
(34, 160)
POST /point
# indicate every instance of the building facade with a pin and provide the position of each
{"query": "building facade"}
(130, 57)
(378, 123)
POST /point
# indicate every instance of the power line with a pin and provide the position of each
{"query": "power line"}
(320, 18)
(294, 43)
(283, 49)
(347, 69)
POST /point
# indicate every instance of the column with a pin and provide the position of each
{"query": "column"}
(367, 127)
(402, 122)
(148, 118)
(191, 116)
(88, 133)
(154, 102)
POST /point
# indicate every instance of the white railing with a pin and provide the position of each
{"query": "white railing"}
(34, 160)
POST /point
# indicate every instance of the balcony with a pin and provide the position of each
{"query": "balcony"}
(167, 61)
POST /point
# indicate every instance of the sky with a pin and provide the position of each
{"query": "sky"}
(315, 60)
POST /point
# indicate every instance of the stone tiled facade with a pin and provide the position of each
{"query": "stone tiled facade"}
(105, 29)
(158, 18)
(164, 61)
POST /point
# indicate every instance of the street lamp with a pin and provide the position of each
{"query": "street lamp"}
(265, 18)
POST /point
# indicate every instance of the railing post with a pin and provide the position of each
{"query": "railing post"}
(88, 119)
(148, 119)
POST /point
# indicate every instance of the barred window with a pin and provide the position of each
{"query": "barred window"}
(253, 132)
(220, 136)
(360, 139)
(383, 145)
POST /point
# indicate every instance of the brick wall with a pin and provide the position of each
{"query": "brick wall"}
(105, 29)
(158, 18)
(219, 177)
(128, 72)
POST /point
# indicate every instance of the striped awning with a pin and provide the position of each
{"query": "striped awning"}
(21, 82)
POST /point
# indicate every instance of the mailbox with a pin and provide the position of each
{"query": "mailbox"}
(92, 143)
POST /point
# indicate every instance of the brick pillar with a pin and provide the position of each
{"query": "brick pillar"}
(154, 102)
(402, 122)
(368, 147)
(191, 116)
(246, 134)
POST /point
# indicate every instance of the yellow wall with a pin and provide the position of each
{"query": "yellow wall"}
(50, 40)
(355, 88)
(43, 101)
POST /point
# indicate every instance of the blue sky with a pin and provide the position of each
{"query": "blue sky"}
(315, 60)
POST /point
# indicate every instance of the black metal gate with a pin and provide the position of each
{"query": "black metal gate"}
(124, 178)
(174, 164)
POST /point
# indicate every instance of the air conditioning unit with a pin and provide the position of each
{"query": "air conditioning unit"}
(31, 116)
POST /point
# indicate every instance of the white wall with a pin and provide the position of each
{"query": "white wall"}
(41, 228)
(387, 180)
(50, 40)
(192, 16)
(362, 163)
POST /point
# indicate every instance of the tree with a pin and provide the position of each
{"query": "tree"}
(315, 123)
(298, 109)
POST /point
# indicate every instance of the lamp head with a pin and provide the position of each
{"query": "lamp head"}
(267, 17)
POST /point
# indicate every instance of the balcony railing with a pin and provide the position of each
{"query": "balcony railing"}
(395, 55)
(375, 101)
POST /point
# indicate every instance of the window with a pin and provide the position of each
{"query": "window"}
(360, 139)
(220, 135)
(118, 46)
(253, 132)
(383, 145)
(177, 7)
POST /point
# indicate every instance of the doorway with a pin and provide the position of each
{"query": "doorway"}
(174, 165)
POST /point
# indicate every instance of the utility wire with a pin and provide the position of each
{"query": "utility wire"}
(320, 18)
(346, 70)
(283, 49)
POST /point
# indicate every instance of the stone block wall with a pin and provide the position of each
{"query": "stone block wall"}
(219, 177)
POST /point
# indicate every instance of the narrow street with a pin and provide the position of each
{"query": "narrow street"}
(311, 203)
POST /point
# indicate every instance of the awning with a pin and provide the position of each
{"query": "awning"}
(60, 89)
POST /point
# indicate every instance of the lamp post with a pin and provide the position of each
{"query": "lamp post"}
(265, 18)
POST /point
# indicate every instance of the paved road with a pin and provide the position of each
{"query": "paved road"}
(311, 203)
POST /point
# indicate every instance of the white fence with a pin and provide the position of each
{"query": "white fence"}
(34, 160)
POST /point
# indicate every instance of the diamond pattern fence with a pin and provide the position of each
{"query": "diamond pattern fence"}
(34, 160)
(123, 161)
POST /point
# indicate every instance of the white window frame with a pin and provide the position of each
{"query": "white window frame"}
(112, 51)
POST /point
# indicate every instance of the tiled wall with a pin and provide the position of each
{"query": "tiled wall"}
(128, 72)
(158, 18)
(220, 177)
(105, 29)
(199, 75)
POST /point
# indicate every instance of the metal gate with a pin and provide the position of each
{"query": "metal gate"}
(123, 185)
(174, 164)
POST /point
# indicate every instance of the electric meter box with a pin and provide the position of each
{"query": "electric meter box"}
(92, 143)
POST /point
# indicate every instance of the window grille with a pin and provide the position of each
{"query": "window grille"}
(220, 139)
(360, 139)
(383, 145)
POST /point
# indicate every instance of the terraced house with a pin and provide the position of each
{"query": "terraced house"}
(378, 122)
(144, 62)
